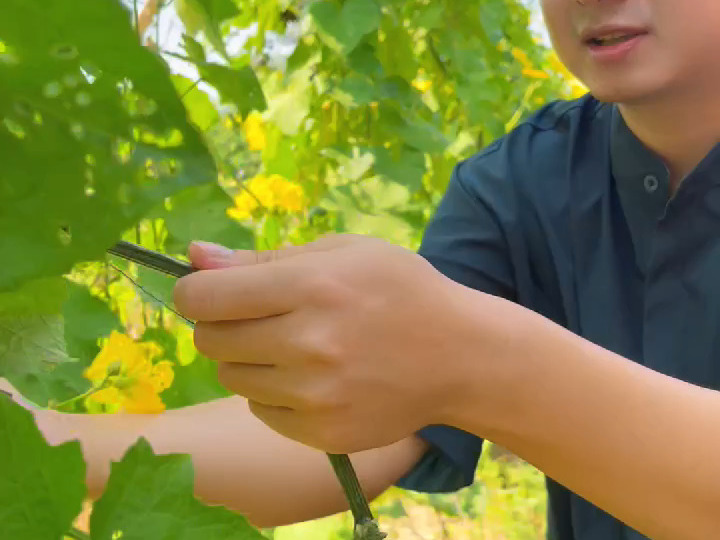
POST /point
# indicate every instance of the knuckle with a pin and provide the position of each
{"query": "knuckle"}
(181, 295)
(320, 345)
(325, 396)
(203, 338)
(189, 300)
(326, 289)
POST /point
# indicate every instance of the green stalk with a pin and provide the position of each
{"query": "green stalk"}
(77, 534)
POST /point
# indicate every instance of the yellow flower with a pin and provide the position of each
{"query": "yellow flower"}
(254, 128)
(576, 88)
(126, 378)
(271, 192)
(422, 85)
(535, 73)
(521, 56)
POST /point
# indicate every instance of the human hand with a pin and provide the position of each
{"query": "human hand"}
(343, 344)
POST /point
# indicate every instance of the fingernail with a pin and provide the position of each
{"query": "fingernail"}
(215, 251)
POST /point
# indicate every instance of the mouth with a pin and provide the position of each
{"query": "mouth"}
(608, 37)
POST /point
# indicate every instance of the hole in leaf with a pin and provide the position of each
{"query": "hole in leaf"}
(64, 51)
(52, 89)
(89, 183)
(77, 130)
(90, 72)
(14, 128)
(90, 160)
(64, 235)
(151, 170)
(37, 119)
(172, 138)
(122, 150)
(138, 105)
(83, 99)
(71, 80)
(168, 167)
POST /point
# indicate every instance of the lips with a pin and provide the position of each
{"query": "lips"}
(607, 36)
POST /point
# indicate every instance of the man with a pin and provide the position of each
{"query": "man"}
(565, 304)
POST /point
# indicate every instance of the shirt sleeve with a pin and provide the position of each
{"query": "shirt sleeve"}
(466, 240)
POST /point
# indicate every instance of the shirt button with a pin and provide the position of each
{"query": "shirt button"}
(651, 183)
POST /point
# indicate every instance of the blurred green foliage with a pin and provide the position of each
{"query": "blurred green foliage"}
(356, 129)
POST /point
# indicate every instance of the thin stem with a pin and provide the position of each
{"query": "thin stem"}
(75, 399)
(190, 88)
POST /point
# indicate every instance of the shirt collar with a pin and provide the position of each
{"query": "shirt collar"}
(643, 185)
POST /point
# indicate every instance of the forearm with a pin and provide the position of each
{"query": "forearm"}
(638, 444)
(239, 462)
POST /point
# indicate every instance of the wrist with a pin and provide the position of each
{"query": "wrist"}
(495, 343)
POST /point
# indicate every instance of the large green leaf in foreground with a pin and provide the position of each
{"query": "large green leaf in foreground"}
(41, 487)
(92, 134)
(151, 496)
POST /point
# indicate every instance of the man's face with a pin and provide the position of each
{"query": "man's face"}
(633, 51)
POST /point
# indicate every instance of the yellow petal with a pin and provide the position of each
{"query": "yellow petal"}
(535, 73)
(142, 399)
(106, 396)
(254, 128)
(162, 375)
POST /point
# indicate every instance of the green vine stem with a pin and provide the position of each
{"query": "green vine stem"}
(366, 528)
(77, 534)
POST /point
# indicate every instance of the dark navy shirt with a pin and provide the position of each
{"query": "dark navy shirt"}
(570, 215)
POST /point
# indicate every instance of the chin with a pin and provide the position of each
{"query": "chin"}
(627, 91)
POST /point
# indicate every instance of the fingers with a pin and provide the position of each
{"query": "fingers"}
(247, 292)
(270, 385)
(267, 341)
(205, 255)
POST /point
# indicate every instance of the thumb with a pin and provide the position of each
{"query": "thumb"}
(207, 255)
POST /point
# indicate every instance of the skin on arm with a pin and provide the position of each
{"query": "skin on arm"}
(239, 462)
(641, 445)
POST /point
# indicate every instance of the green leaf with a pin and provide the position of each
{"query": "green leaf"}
(396, 52)
(83, 109)
(196, 382)
(279, 155)
(200, 109)
(420, 134)
(237, 86)
(342, 29)
(42, 487)
(43, 296)
(364, 61)
(355, 91)
(194, 50)
(205, 16)
(201, 214)
(289, 107)
(150, 496)
(33, 357)
(407, 167)
(87, 318)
